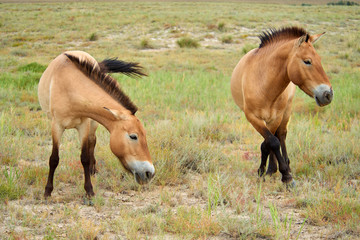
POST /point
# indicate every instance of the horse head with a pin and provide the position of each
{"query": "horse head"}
(305, 70)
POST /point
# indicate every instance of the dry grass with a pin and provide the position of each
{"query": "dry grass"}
(206, 154)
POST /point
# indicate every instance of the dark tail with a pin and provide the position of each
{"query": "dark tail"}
(116, 66)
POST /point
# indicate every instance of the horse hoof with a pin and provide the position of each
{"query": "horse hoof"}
(88, 202)
(261, 172)
(286, 178)
(291, 184)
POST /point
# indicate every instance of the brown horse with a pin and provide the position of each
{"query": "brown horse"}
(263, 86)
(76, 92)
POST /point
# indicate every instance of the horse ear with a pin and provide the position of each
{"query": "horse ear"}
(116, 114)
(316, 37)
(303, 39)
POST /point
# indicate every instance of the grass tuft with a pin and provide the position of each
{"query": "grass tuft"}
(93, 37)
(10, 187)
(247, 47)
(32, 67)
(187, 42)
(227, 39)
(146, 44)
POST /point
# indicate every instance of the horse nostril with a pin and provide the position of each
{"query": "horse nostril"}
(149, 175)
(328, 96)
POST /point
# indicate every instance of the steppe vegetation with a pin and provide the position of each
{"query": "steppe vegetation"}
(205, 152)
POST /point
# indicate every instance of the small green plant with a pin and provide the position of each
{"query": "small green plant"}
(146, 44)
(286, 224)
(259, 209)
(93, 37)
(221, 27)
(247, 47)
(9, 187)
(227, 39)
(213, 194)
(187, 42)
(32, 67)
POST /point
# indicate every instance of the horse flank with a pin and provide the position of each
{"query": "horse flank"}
(275, 35)
(99, 76)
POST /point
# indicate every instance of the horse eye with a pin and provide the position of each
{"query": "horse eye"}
(307, 62)
(133, 136)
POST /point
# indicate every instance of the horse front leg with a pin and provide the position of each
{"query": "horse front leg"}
(282, 138)
(265, 151)
(84, 130)
(272, 168)
(274, 144)
(92, 143)
(271, 144)
(85, 161)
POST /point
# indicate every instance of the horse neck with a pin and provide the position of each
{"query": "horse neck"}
(92, 102)
(276, 71)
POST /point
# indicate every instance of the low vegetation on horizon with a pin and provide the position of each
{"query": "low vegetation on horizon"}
(205, 153)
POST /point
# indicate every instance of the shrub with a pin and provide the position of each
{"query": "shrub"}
(93, 37)
(146, 44)
(227, 39)
(343, 3)
(221, 27)
(187, 42)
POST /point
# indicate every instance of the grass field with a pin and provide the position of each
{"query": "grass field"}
(205, 153)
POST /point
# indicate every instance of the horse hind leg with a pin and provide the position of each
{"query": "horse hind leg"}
(56, 132)
(92, 143)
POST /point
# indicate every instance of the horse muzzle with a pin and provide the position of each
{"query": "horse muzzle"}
(323, 95)
(143, 171)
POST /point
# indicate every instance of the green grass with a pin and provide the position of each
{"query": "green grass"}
(187, 42)
(205, 153)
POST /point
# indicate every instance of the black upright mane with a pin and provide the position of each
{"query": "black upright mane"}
(99, 76)
(272, 35)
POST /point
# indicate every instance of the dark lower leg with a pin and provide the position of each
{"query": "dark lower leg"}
(53, 163)
(272, 168)
(92, 143)
(274, 144)
(282, 138)
(264, 155)
(85, 160)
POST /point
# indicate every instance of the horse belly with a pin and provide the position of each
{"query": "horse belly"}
(69, 122)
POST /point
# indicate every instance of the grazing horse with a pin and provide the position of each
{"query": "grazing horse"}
(263, 86)
(76, 92)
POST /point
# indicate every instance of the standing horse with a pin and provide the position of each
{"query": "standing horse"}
(263, 86)
(76, 92)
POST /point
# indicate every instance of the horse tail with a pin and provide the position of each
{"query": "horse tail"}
(113, 65)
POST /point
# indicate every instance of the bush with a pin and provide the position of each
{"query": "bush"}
(146, 44)
(187, 42)
(227, 39)
(343, 3)
(221, 27)
(93, 37)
